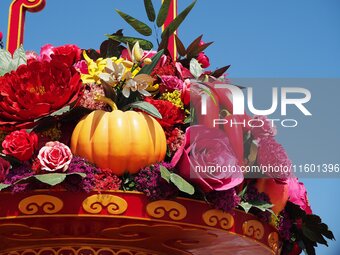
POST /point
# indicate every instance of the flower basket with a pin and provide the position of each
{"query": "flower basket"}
(59, 222)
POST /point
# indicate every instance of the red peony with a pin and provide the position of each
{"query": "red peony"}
(68, 54)
(36, 90)
(55, 156)
(4, 169)
(171, 114)
(20, 144)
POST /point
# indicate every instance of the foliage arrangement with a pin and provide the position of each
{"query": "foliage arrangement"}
(127, 117)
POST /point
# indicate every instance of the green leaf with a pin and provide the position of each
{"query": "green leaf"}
(147, 69)
(51, 179)
(61, 111)
(179, 19)
(8, 64)
(165, 173)
(55, 178)
(138, 25)
(4, 186)
(19, 57)
(219, 72)
(163, 13)
(182, 184)
(145, 44)
(180, 47)
(313, 235)
(150, 10)
(195, 68)
(146, 107)
(199, 49)
(246, 206)
(194, 45)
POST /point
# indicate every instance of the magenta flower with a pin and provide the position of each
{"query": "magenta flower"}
(206, 159)
(298, 195)
(172, 82)
(263, 127)
(273, 156)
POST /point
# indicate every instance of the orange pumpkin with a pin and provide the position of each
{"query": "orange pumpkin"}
(121, 141)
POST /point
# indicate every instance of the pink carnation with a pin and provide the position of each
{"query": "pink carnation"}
(298, 195)
(55, 156)
(263, 127)
(81, 67)
(272, 154)
(172, 82)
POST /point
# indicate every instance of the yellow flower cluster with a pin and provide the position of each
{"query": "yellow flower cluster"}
(95, 68)
(173, 97)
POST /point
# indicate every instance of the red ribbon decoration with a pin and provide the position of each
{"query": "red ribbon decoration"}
(171, 16)
(16, 22)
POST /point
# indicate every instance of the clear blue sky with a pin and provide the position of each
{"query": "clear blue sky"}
(262, 38)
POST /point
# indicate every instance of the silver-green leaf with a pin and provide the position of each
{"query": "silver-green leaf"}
(182, 184)
(146, 107)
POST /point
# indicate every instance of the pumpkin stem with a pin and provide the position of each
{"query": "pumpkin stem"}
(107, 101)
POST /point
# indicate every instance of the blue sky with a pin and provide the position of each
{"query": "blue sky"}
(263, 38)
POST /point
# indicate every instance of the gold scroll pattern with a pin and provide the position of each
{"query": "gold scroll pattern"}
(253, 228)
(33, 204)
(216, 217)
(95, 204)
(273, 241)
(79, 251)
(158, 209)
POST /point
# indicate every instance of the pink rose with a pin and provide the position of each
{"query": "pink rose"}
(263, 127)
(55, 156)
(4, 169)
(185, 95)
(172, 82)
(271, 154)
(298, 195)
(206, 147)
(203, 60)
(20, 144)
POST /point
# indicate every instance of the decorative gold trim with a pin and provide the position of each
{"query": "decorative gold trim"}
(175, 210)
(214, 217)
(273, 241)
(253, 228)
(115, 205)
(32, 204)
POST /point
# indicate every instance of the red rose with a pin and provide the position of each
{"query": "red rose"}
(4, 169)
(36, 90)
(171, 114)
(55, 156)
(20, 144)
(203, 60)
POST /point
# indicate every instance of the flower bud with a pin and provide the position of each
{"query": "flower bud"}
(147, 61)
(127, 63)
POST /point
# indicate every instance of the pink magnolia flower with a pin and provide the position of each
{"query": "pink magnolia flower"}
(203, 60)
(262, 127)
(298, 195)
(4, 169)
(202, 149)
(55, 156)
